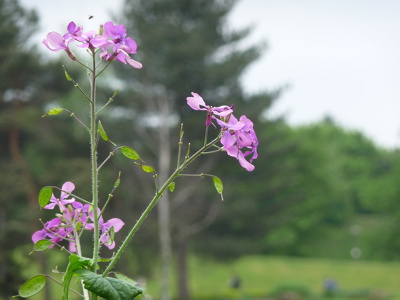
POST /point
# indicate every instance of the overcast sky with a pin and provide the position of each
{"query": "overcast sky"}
(338, 57)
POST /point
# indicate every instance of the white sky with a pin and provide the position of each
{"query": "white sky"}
(338, 57)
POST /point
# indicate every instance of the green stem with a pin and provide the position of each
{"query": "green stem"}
(157, 196)
(93, 152)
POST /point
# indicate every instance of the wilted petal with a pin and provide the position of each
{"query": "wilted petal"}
(134, 63)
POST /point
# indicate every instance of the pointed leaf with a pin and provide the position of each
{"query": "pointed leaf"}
(102, 132)
(107, 287)
(218, 185)
(54, 111)
(171, 187)
(44, 196)
(42, 245)
(148, 169)
(32, 286)
(130, 153)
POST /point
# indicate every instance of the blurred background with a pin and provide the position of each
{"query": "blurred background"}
(319, 216)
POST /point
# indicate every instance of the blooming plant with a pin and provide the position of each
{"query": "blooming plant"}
(75, 215)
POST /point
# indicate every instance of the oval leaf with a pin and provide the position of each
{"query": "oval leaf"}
(107, 287)
(218, 185)
(148, 169)
(44, 196)
(54, 111)
(42, 245)
(130, 153)
(32, 286)
(171, 187)
(102, 132)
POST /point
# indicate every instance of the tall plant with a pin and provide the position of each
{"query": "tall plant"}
(77, 215)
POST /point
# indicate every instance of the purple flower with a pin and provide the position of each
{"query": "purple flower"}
(67, 188)
(73, 32)
(121, 45)
(113, 36)
(197, 103)
(107, 229)
(91, 40)
(238, 135)
(56, 42)
(52, 230)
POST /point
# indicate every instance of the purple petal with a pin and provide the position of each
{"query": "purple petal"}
(196, 101)
(39, 235)
(55, 42)
(115, 222)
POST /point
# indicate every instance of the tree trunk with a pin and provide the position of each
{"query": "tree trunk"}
(182, 269)
(164, 205)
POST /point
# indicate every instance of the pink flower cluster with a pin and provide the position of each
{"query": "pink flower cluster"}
(73, 218)
(112, 40)
(237, 135)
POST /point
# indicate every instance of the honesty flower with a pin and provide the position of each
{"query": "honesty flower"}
(56, 42)
(67, 188)
(197, 103)
(112, 36)
(52, 230)
(107, 229)
(121, 45)
(238, 135)
(91, 40)
(73, 32)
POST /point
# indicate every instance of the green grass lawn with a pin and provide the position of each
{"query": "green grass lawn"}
(262, 275)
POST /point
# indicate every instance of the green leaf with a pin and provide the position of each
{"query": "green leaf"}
(102, 132)
(130, 153)
(69, 78)
(32, 286)
(148, 169)
(54, 111)
(107, 287)
(42, 245)
(218, 185)
(75, 263)
(44, 196)
(171, 187)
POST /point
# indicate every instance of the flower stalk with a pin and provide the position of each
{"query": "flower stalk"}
(159, 193)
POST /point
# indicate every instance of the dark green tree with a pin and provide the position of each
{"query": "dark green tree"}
(27, 87)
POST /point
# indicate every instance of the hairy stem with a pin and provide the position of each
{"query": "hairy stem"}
(93, 153)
